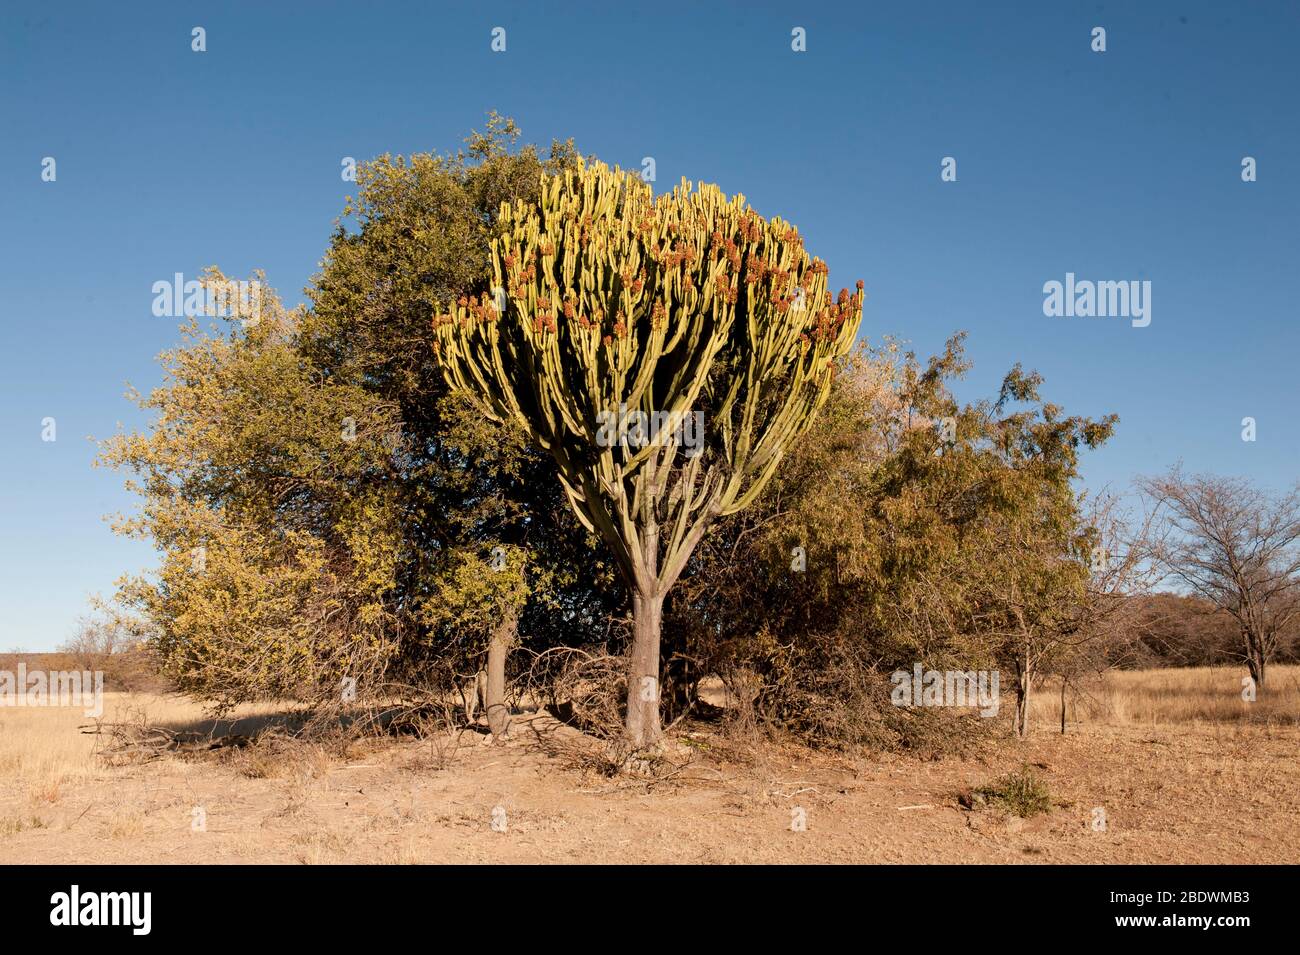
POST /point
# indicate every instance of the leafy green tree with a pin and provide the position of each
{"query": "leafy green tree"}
(886, 540)
(317, 495)
(267, 489)
(1033, 598)
(419, 233)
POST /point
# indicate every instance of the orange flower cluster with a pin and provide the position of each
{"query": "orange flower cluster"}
(484, 309)
(633, 283)
(745, 249)
(733, 254)
(543, 321)
(519, 278)
(726, 288)
(827, 322)
(680, 254)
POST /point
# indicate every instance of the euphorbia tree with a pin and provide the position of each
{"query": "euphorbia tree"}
(612, 306)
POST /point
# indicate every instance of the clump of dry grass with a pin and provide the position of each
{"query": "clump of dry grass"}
(404, 853)
(272, 755)
(127, 825)
(20, 822)
(46, 790)
(323, 847)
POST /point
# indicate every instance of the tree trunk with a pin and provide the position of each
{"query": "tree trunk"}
(494, 695)
(1022, 704)
(1255, 665)
(1064, 683)
(643, 727)
(1256, 659)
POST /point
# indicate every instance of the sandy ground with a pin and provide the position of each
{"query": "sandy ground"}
(1207, 793)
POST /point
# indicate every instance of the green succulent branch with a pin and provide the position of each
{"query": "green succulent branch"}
(608, 302)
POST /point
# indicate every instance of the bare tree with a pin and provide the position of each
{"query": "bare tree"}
(1237, 547)
(1121, 574)
(96, 638)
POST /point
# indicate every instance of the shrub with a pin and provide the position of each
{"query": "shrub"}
(1022, 793)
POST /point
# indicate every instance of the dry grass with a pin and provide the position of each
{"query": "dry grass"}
(20, 822)
(1183, 770)
(43, 751)
(322, 848)
(1176, 696)
(43, 748)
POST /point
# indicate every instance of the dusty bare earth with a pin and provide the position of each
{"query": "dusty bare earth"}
(1208, 793)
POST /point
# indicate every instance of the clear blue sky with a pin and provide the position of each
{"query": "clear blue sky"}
(1120, 165)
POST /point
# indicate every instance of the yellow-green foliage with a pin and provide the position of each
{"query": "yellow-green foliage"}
(339, 498)
(905, 527)
(479, 591)
(417, 232)
(263, 486)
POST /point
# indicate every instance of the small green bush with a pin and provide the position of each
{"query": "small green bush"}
(1021, 793)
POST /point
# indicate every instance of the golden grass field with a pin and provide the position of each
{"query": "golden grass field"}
(1182, 768)
(1174, 696)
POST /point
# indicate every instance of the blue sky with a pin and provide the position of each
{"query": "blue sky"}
(1123, 165)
